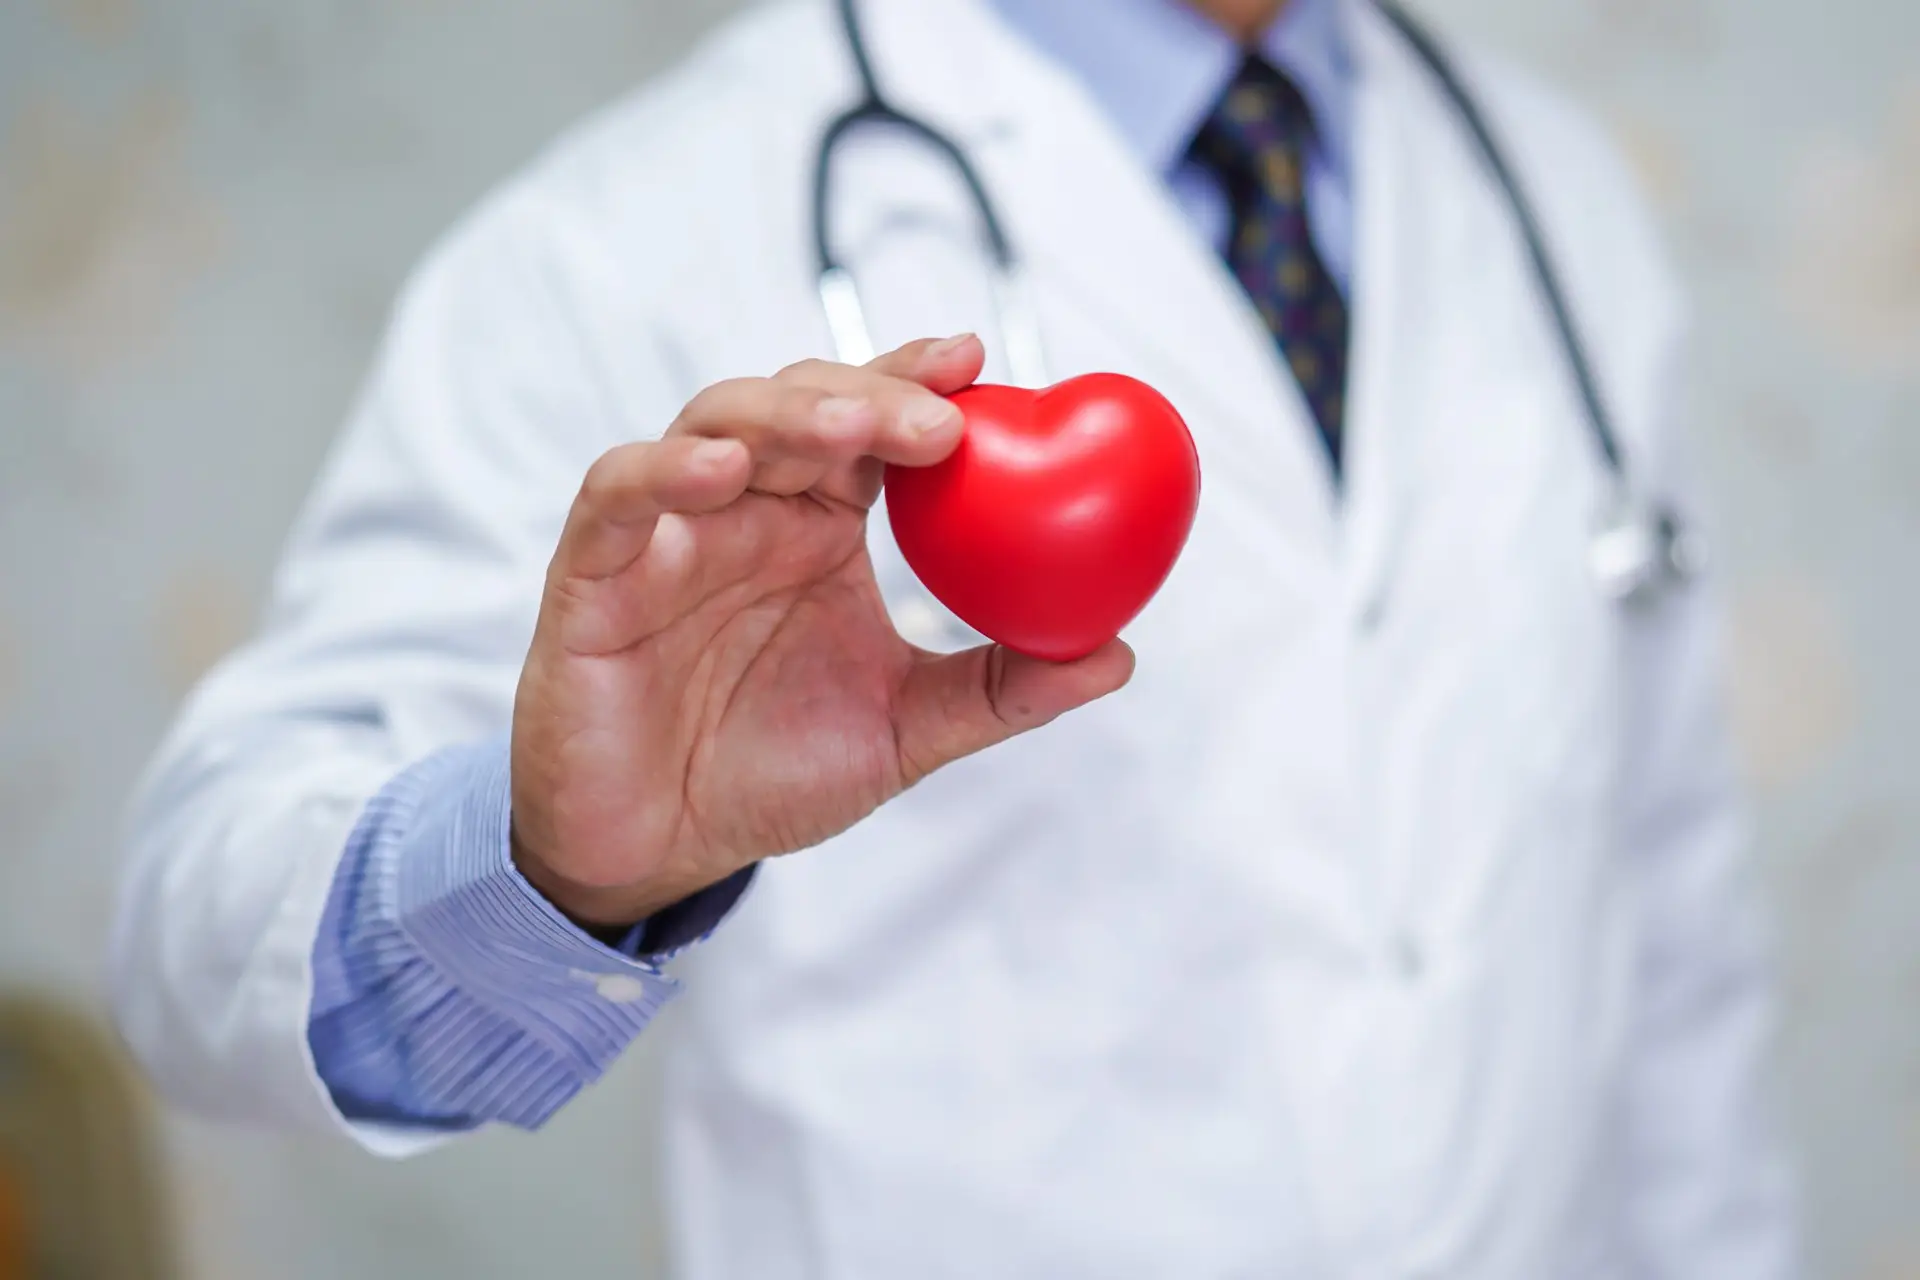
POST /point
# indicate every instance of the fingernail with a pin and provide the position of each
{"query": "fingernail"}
(711, 453)
(947, 346)
(924, 415)
(836, 412)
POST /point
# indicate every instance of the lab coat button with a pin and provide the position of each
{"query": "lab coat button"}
(620, 988)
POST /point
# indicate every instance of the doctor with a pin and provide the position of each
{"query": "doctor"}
(1377, 910)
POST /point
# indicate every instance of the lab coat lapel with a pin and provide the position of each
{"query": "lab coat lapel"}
(1398, 306)
(1123, 281)
(1457, 394)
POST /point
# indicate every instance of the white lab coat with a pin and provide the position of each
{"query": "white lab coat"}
(1392, 923)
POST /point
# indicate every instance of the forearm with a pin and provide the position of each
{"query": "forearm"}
(234, 840)
(310, 937)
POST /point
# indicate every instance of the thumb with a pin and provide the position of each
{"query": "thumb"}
(956, 704)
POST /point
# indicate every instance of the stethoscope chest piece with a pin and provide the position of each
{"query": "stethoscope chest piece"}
(1640, 551)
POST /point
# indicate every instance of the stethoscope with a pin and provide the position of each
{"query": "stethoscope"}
(1639, 548)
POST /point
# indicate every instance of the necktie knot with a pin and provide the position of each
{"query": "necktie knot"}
(1258, 135)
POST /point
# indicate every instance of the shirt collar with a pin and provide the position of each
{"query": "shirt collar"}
(1157, 67)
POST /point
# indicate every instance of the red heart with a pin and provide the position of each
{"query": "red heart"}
(1058, 517)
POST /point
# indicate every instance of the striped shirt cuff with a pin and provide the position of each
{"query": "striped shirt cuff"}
(489, 935)
(448, 991)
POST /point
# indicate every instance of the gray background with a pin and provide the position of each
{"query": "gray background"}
(205, 206)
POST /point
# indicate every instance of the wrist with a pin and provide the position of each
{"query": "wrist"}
(597, 907)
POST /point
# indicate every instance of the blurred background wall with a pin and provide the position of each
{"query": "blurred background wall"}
(205, 206)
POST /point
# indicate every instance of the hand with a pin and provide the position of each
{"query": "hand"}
(714, 679)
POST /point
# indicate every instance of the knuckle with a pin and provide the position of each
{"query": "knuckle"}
(713, 404)
(811, 369)
(610, 473)
(798, 405)
(790, 417)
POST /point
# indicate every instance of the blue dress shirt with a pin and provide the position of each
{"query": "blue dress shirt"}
(447, 991)
(1158, 68)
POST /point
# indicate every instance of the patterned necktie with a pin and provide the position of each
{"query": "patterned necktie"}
(1256, 143)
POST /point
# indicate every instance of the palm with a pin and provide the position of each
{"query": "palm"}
(744, 708)
(782, 680)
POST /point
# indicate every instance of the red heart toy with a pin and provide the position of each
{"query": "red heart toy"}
(1058, 517)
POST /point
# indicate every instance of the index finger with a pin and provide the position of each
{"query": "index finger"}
(941, 365)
